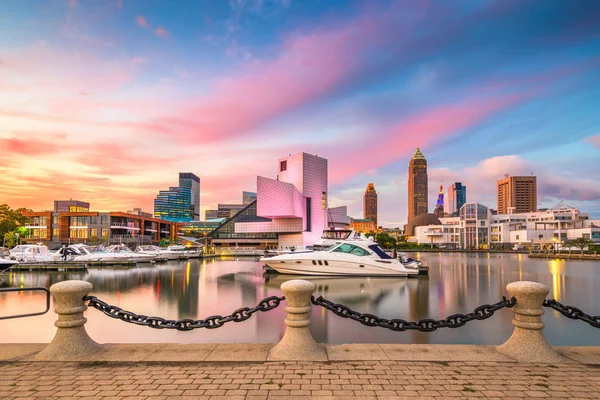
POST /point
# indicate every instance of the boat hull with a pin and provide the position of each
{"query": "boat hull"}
(343, 268)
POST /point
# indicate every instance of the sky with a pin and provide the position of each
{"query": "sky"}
(107, 100)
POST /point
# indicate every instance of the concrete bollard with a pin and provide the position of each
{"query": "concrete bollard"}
(71, 341)
(527, 342)
(297, 343)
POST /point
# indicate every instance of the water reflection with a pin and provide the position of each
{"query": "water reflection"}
(196, 289)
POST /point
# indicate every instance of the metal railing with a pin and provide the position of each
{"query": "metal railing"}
(33, 289)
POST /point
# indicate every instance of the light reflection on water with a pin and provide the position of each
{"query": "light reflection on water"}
(197, 289)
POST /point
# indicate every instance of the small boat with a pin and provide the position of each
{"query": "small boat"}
(348, 258)
(180, 250)
(409, 262)
(158, 253)
(6, 263)
(120, 254)
(29, 253)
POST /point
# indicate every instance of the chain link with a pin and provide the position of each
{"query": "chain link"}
(424, 325)
(573, 312)
(212, 322)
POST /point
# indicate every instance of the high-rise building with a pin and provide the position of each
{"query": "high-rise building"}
(248, 197)
(439, 205)
(457, 197)
(417, 185)
(517, 194)
(191, 181)
(174, 205)
(370, 204)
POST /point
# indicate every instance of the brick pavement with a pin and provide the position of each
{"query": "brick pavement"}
(297, 380)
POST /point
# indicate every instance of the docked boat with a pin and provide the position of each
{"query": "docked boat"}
(331, 237)
(158, 253)
(348, 258)
(6, 263)
(30, 253)
(180, 250)
(121, 254)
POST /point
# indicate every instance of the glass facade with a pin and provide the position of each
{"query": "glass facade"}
(174, 205)
(474, 219)
(247, 214)
(192, 182)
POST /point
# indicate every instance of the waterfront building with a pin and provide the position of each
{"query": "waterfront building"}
(456, 198)
(229, 210)
(71, 206)
(337, 218)
(417, 185)
(517, 194)
(290, 211)
(439, 205)
(362, 225)
(191, 181)
(174, 205)
(479, 228)
(421, 220)
(200, 229)
(370, 204)
(56, 228)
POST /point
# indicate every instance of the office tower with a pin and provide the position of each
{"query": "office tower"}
(517, 194)
(439, 205)
(457, 197)
(174, 205)
(370, 204)
(417, 185)
(191, 181)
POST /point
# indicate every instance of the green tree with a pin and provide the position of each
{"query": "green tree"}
(93, 240)
(385, 241)
(581, 243)
(11, 219)
(164, 242)
(10, 239)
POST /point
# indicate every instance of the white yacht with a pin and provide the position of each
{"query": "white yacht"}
(158, 253)
(133, 256)
(180, 250)
(5, 263)
(31, 253)
(115, 254)
(333, 236)
(348, 258)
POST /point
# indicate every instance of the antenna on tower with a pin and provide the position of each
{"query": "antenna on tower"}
(506, 175)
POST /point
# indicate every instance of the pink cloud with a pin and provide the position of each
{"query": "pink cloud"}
(162, 32)
(141, 21)
(420, 130)
(594, 140)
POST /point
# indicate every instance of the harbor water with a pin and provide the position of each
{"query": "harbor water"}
(457, 283)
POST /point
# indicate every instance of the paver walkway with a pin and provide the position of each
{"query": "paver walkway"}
(291, 380)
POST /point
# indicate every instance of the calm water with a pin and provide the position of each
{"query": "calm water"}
(196, 289)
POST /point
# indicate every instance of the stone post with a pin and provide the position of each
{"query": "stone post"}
(71, 341)
(297, 343)
(527, 343)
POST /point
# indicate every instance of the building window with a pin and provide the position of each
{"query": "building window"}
(94, 232)
(324, 201)
(55, 233)
(308, 214)
(517, 237)
(94, 220)
(104, 220)
(283, 166)
(104, 232)
(55, 220)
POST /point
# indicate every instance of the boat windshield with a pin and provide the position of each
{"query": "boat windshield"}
(350, 249)
(336, 234)
(382, 254)
(148, 248)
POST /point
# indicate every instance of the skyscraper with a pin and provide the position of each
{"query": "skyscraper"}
(174, 205)
(370, 204)
(518, 193)
(191, 181)
(439, 205)
(457, 197)
(417, 185)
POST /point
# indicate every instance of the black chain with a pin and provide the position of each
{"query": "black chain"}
(212, 322)
(424, 325)
(573, 312)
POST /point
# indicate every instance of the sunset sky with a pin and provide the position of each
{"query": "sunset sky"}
(106, 101)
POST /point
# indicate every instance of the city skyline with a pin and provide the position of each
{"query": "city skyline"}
(107, 101)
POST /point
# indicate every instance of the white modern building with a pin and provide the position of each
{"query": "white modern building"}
(478, 228)
(294, 205)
